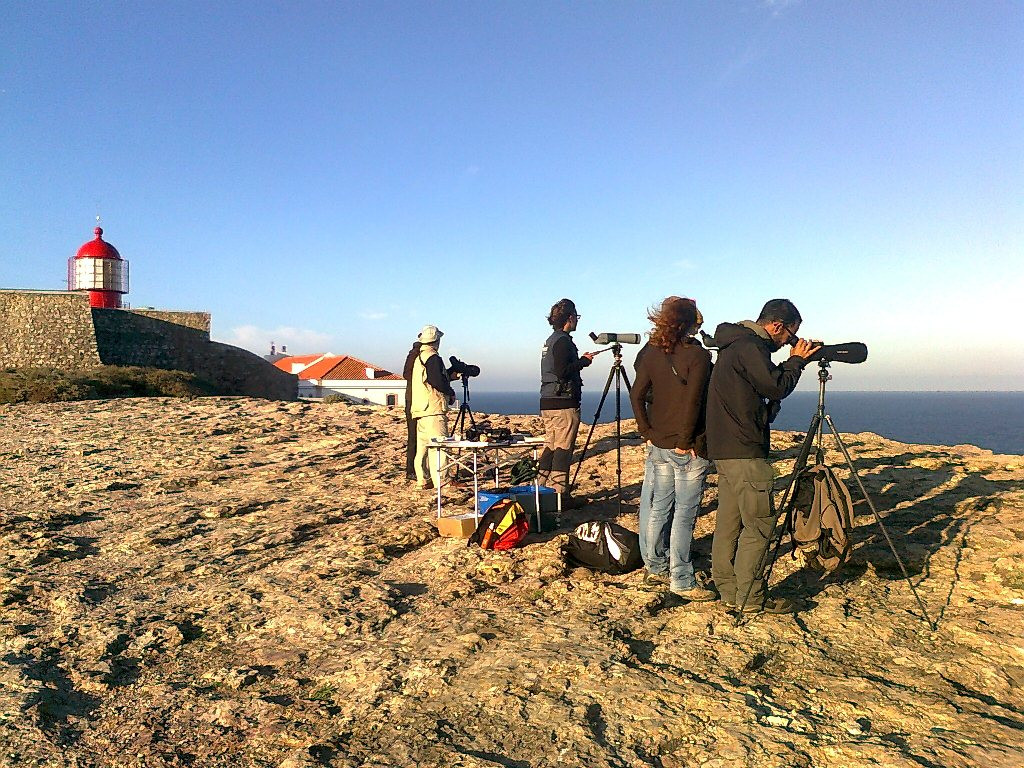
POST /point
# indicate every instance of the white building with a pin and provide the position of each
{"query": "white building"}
(356, 380)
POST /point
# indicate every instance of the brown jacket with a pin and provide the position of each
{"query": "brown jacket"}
(669, 406)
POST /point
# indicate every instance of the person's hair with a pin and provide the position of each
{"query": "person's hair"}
(781, 310)
(672, 320)
(560, 313)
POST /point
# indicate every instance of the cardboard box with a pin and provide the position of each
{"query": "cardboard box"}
(457, 526)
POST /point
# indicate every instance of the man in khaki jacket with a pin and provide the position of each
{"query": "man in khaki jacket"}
(432, 393)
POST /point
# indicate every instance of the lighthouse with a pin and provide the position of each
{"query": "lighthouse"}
(99, 269)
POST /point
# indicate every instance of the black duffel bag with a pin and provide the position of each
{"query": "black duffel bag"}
(604, 546)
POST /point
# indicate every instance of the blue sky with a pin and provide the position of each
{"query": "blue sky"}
(332, 176)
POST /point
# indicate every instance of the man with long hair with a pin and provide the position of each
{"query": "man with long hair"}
(561, 388)
(668, 398)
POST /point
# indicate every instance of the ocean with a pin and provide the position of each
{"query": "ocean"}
(992, 420)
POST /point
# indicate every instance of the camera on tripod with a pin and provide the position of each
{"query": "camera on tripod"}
(463, 369)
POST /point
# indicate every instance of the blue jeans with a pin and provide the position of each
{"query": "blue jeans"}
(669, 502)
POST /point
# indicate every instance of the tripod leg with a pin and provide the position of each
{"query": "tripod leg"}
(774, 540)
(878, 519)
(618, 439)
(590, 434)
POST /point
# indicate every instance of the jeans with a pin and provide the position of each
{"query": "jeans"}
(669, 502)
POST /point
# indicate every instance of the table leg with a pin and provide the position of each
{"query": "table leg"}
(476, 490)
(536, 492)
(438, 489)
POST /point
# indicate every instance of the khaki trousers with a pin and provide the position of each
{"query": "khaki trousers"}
(426, 428)
(560, 428)
(744, 522)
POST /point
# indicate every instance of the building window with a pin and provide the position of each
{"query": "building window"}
(392, 400)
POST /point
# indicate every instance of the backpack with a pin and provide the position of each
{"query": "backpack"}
(523, 471)
(503, 526)
(822, 518)
(604, 546)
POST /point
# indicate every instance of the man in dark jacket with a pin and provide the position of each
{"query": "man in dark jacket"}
(560, 391)
(743, 398)
(410, 422)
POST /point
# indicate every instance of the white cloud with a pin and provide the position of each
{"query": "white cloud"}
(779, 6)
(298, 340)
(373, 315)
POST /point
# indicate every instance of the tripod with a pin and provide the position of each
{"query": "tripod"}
(464, 410)
(619, 375)
(815, 434)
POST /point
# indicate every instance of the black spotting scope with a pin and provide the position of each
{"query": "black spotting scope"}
(465, 370)
(850, 352)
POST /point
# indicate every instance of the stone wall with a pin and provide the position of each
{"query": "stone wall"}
(57, 329)
(198, 320)
(133, 338)
(52, 329)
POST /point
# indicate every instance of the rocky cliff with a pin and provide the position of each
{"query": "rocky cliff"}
(237, 582)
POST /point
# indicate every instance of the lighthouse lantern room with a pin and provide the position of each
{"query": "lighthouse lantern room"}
(99, 269)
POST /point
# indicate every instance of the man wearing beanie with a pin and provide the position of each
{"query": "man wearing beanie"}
(743, 398)
(431, 395)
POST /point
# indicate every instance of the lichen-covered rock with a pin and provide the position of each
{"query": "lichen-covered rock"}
(237, 582)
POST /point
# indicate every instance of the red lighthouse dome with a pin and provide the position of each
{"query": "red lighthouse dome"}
(99, 269)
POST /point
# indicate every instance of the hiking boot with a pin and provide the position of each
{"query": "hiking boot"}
(775, 605)
(695, 594)
(729, 602)
(652, 579)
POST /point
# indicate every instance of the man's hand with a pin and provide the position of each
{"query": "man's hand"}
(589, 355)
(686, 452)
(805, 348)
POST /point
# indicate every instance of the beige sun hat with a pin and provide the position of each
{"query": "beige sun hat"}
(429, 334)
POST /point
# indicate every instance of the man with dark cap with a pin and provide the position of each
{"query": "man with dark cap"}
(743, 398)
(561, 389)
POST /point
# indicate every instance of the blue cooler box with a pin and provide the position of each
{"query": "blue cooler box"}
(549, 503)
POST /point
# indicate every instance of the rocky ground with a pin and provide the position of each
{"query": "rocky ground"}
(235, 582)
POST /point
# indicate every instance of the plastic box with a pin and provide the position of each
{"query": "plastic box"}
(550, 504)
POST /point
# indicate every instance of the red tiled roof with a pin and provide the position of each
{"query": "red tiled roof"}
(353, 369)
(286, 363)
(336, 368)
(320, 367)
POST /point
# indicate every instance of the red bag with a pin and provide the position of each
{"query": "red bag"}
(503, 526)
